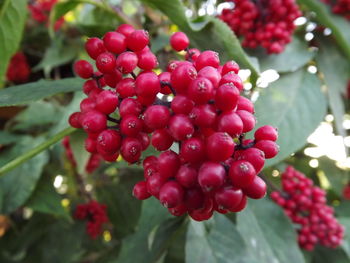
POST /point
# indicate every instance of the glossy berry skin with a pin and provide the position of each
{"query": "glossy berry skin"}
(240, 206)
(147, 60)
(207, 58)
(182, 105)
(126, 88)
(270, 148)
(231, 123)
(211, 74)
(182, 76)
(232, 79)
(180, 127)
(156, 116)
(130, 106)
(226, 97)
(147, 85)
(125, 29)
(194, 199)
(242, 173)
(131, 149)
(107, 102)
(187, 176)
(130, 126)
(154, 184)
(83, 69)
(168, 164)
(161, 140)
(114, 42)
(257, 189)
(106, 62)
(94, 47)
(248, 120)
(220, 146)
(245, 104)
(171, 194)
(126, 62)
(266, 133)
(93, 121)
(254, 156)
(211, 176)
(193, 150)
(74, 120)
(203, 115)
(109, 141)
(137, 40)
(192, 54)
(228, 197)
(201, 90)
(140, 191)
(230, 66)
(112, 79)
(179, 41)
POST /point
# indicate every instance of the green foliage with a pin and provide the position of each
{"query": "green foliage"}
(12, 18)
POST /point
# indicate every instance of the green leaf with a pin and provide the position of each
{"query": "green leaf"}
(23, 94)
(136, 247)
(216, 241)
(36, 117)
(335, 77)
(81, 156)
(327, 255)
(58, 53)
(296, 55)
(268, 233)
(123, 209)
(295, 105)
(59, 10)
(45, 199)
(209, 33)
(339, 26)
(12, 18)
(17, 185)
(345, 221)
(7, 138)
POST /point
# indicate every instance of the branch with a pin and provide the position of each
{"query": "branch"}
(35, 151)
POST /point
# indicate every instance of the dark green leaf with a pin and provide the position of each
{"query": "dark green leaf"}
(345, 221)
(18, 184)
(295, 105)
(81, 156)
(123, 209)
(295, 56)
(339, 26)
(209, 33)
(327, 255)
(12, 18)
(45, 199)
(136, 247)
(268, 233)
(23, 94)
(7, 138)
(217, 241)
(335, 77)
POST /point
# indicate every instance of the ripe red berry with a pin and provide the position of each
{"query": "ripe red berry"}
(266, 132)
(228, 197)
(130, 126)
(187, 176)
(211, 74)
(83, 69)
(207, 58)
(89, 85)
(109, 141)
(106, 62)
(232, 78)
(94, 47)
(171, 194)
(230, 123)
(203, 115)
(257, 189)
(226, 97)
(270, 148)
(182, 76)
(147, 85)
(193, 150)
(248, 120)
(126, 88)
(211, 176)
(182, 105)
(154, 183)
(179, 41)
(168, 164)
(156, 116)
(254, 156)
(220, 146)
(200, 90)
(147, 60)
(230, 66)
(130, 106)
(93, 121)
(126, 62)
(180, 127)
(161, 140)
(137, 40)
(242, 173)
(125, 29)
(245, 104)
(140, 191)
(74, 120)
(107, 102)
(131, 149)
(114, 42)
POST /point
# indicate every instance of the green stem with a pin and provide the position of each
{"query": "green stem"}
(30, 154)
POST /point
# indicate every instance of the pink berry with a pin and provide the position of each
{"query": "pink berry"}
(179, 41)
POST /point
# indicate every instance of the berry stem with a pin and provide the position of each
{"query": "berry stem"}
(35, 151)
(133, 75)
(164, 83)
(113, 119)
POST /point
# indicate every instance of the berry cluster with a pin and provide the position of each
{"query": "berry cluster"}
(266, 23)
(216, 168)
(346, 192)
(18, 70)
(93, 162)
(340, 7)
(95, 214)
(305, 204)
(40, 10)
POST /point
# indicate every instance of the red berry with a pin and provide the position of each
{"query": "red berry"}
(257, 189)
(182, 104)
(207, 58)
(187, 176)
(83, 69)
(130, 126)
(242, 173)
(107, 101)
(109, 141)
(182, 76)
(131, 150)
(147, 85)
(180, 127)
(211, 74)
(266, 133)
(171, 194)
(106, 62)
(230, 123)
(126, 88)
(130, 106)
(193, 150)
(154, 183)
(228, 197)
(74, 120)
(137, 40)
(230, 66)
(89, 85)
(270, 148)
(203, 115)
(200, 90)
(220, 146)
(112, 79)
(248, 120)
(156, 116)
(211, 176)
(94, 47)
(179, 41)
(254, 156)
(140, 191)
(126, 62)
(114, 42)
(226, 97)
(93, 121)
(161, 140)
(125, 29)
(245, 104)
(168, 164)
(232, 78)
(147, 60)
